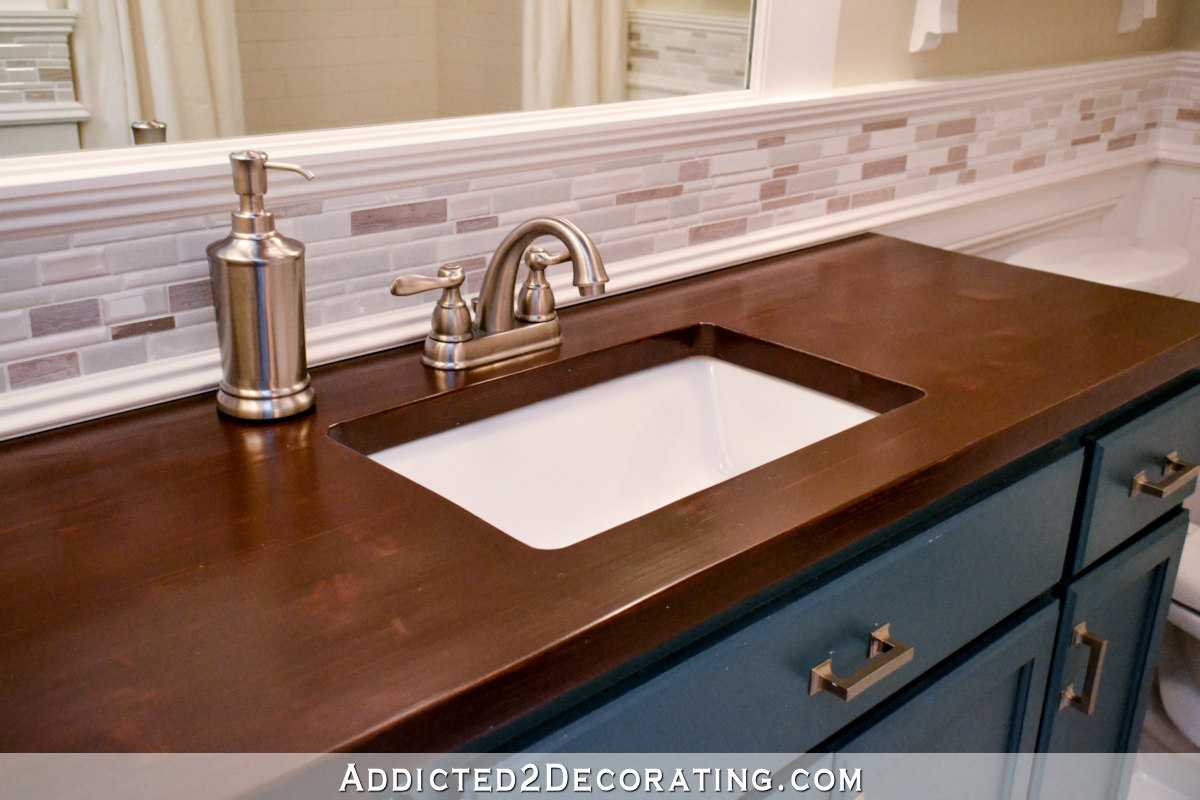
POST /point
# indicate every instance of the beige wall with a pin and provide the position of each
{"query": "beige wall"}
(478, 56)
(338, 63)
(993, 35)
(1187, 36)
(335, 63)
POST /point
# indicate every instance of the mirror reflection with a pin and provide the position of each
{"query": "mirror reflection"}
(80, 73)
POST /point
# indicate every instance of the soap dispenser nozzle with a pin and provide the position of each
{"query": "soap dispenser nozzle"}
(250, 177)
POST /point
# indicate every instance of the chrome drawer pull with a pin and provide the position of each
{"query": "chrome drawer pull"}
(1177, 473)
(886, 656)
(1097, 646)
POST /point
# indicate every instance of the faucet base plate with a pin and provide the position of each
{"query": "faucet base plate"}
(486, 348)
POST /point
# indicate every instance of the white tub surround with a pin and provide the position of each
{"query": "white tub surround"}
(103, 284)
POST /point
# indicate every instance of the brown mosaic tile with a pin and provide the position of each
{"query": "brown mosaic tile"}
(873, 196)
(837, 204)
(884, 125)
(716, 230)
(1028, 163)
(886, 166)
(955, 127)
(966, 176)
(302, 209)
(1043, 113)
(769, 190)
(1085, 140)
(477, 224)
(1149, 126)
(641, 52)
(1087, 104)
(54, 74)
(1188, 115)
(858, 143)
(390, 218)
(953, 167)
(43, 370)
(1087, 117)
(926, 132)
(473, 268)
(39, 95)
(48, 320)
(186, 296)
(693, 170)
(649, 194)
(1106, 125)
(771, 141)
(783, 172)
(156, 325)
(957, 153)
(1121, 142)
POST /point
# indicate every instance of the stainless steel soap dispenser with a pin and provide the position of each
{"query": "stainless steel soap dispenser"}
(258, 289)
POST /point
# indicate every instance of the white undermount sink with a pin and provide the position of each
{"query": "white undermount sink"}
(554, 472)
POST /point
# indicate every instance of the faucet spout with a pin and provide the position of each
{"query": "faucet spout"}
(496, 296)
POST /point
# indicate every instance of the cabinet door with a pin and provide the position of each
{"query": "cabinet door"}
(986, 706)
(989, 702)
(1108, 641)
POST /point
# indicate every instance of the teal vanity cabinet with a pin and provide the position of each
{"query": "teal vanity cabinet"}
(1130, 531)
(1114, 606)
(954, 587)
(1025, 614)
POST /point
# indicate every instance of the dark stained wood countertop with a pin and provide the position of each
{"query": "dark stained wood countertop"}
(173, 580)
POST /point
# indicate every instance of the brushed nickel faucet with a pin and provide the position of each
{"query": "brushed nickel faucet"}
(510, 323)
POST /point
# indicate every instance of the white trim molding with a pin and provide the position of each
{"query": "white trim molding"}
(51, 194)
(932, 20)
(27, 22)
(41, 113)
(1134, 12)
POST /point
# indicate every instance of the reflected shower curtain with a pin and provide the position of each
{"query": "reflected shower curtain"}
(574, 53)
(171, 60)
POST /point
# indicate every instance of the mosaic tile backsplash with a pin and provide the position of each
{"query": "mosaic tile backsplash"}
(674, 54)
(101, 300)
(35, 67)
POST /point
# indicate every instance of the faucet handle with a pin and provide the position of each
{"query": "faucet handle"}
(448, 277)
(535, 301)
(451, 318)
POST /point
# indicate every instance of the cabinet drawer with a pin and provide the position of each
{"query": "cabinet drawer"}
(750, 690)
(1115, 512)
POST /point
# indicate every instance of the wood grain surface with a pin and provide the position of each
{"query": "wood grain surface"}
(175, 580)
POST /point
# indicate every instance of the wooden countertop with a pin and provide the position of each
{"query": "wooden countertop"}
(173, 580)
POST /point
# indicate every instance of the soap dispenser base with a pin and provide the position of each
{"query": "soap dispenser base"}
(265, 408)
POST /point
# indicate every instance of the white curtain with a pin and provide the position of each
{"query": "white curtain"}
(171, 60)
(574, 52)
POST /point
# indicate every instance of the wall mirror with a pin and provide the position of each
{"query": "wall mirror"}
(213, 69)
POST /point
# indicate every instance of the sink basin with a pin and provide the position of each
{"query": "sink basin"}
(622, 432)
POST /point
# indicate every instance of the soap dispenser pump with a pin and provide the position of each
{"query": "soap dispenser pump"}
(258, 290)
